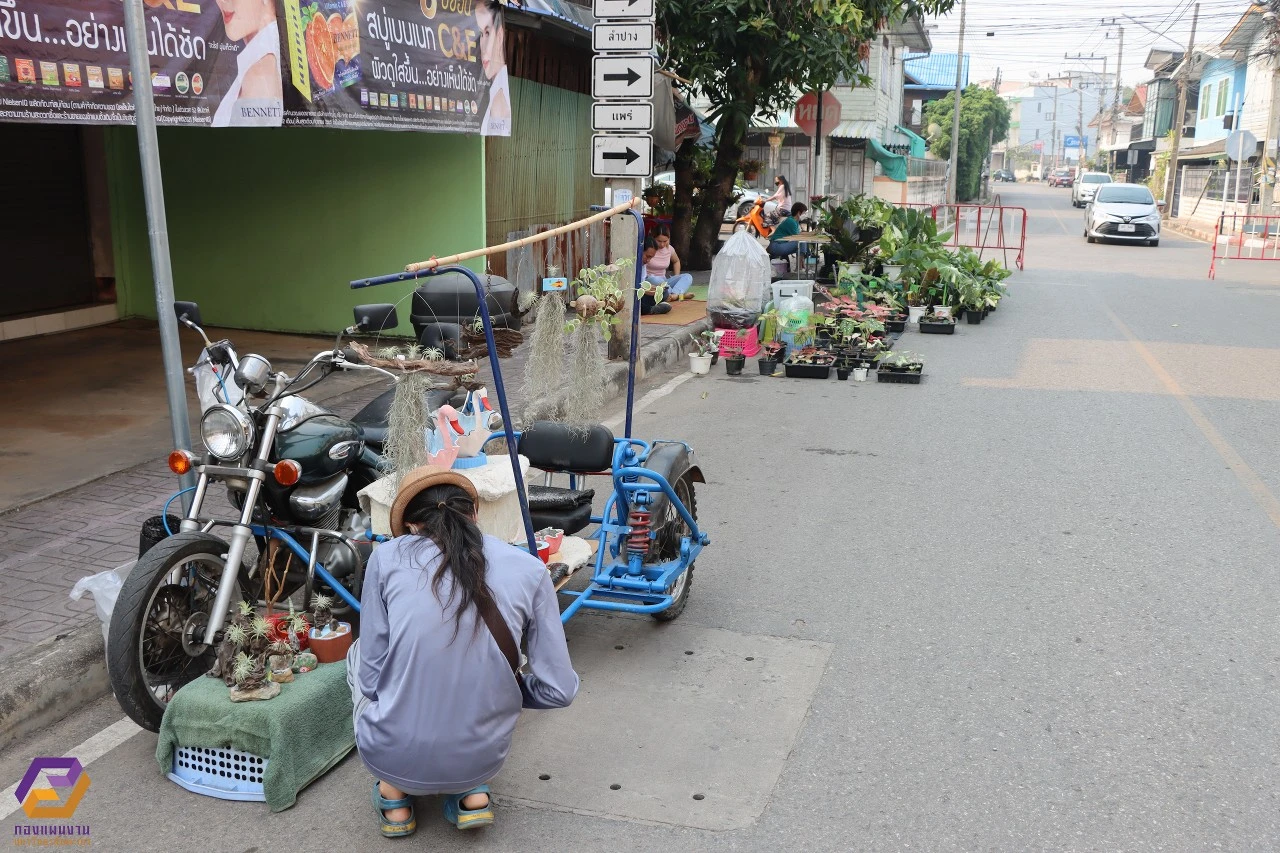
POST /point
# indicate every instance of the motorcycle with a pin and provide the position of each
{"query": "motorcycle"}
(293, 470)
(754, 221)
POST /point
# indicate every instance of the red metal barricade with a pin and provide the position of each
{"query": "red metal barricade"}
(986, 226)
(1244, 237)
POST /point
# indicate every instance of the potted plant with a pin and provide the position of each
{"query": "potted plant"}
(751, 169)
(937, 324)
(905, 367)
(734, 360)
(770, 354)
(700, 358)
(860, 374)
(809, 363)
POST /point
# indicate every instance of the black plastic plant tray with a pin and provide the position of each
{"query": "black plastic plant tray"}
(808, 371)
(948, 328)
(907, 377)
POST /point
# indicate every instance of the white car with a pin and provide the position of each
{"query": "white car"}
(1123, 212)
(736, 209)
(1086, 185)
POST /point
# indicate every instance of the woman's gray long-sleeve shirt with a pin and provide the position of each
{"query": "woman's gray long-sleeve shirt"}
(442, 708)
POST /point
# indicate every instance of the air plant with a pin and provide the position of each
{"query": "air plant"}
(237, 635)
(407, 423)
(545, 369)
(243, 669)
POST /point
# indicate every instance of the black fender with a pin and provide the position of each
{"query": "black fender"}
(672, 461)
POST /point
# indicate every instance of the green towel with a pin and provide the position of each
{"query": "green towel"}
(304, 731)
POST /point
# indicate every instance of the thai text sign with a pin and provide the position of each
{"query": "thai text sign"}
(402, 64)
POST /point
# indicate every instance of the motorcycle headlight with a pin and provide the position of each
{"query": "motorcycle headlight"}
(226, 432)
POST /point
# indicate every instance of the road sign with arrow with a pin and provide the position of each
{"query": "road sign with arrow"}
(622, 76)
(621, 156)
(628, 10)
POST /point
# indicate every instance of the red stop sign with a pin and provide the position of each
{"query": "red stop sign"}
(806, 114)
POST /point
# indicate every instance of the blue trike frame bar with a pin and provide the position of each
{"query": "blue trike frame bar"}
(625, 583)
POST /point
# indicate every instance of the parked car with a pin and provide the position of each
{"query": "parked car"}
(1004, 175)
(746, 196)
(1122, 212)
(1086, 185)
(1061, 178)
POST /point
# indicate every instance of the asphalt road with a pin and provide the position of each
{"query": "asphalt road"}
(1037, 595)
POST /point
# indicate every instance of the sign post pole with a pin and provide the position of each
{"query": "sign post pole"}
(158, 229)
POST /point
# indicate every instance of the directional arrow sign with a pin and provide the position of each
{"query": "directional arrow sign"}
(621, 156)
(622, 76)
(622, 38)
(617, 115)
(629, 10)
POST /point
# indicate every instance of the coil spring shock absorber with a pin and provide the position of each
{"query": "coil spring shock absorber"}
(638, 539)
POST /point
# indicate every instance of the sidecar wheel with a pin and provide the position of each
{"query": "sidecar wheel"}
(154, 644)
(667, 547)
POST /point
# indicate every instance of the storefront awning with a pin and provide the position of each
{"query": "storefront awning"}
(853, 129)
(918, 143)
(894, 165)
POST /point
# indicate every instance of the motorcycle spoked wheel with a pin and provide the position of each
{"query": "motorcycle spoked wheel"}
(155, 642)
(666, 546)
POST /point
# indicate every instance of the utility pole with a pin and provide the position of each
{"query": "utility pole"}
(1171, 171)
(1055, 127)
(1102, 86)
(135, 26)
(991, 142)
(1080, 130)
(953, 167)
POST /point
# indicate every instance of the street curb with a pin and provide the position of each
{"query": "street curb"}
(1187, 231)
(61, 675)
(57, 677)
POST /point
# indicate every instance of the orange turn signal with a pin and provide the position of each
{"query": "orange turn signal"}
(287, 472)
(181, 462)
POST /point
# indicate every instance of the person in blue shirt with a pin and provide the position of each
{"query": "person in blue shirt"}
(781, 242)
(436, 701)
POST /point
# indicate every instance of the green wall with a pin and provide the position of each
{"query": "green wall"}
(267, 225)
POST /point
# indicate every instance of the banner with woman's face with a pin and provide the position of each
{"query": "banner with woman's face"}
(434, 65)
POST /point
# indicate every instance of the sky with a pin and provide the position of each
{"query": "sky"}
(1032, 37)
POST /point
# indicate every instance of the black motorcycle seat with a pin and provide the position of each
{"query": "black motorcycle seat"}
(375, 413)
(570, 519)
(372, 419)
(551, 446)
(552, 498)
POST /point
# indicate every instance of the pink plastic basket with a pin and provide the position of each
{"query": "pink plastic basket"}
(746, 340)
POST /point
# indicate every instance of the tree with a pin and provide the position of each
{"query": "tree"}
(753, 57)
(983, 116)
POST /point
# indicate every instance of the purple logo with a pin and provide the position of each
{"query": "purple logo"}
(61, 773)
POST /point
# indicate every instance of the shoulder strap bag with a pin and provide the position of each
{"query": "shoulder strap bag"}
(501, 633)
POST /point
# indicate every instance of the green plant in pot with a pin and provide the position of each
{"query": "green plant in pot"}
(751, 169)
(660, 198)
(734, 361)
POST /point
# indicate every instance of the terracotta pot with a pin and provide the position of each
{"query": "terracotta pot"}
(279, 632)
(332, 648)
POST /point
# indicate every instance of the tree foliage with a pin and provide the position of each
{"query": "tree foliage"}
(984, 116)
(750, 57)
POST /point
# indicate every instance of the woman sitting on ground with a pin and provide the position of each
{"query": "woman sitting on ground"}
(436, 699)
(664, 260)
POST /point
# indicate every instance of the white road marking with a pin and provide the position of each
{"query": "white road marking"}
(87, 753)
(652, 396)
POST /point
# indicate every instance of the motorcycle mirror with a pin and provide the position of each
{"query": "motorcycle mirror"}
(188, 309)
(378, 317)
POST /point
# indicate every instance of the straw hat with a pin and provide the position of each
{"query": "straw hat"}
(416, 481)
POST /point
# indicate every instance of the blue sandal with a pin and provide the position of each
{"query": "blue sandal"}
(394, 828)
(468, 818)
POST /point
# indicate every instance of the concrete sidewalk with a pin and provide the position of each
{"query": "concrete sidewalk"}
(82, 528)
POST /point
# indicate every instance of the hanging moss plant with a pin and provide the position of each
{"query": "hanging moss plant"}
(586, 372)
(544, 371)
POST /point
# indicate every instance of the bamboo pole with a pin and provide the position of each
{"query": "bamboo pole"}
(523, 241)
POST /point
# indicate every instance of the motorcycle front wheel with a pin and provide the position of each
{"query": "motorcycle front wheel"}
(155, 644)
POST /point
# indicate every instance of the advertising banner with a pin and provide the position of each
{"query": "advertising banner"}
(212, 63)
(398, 64)
(433, 65)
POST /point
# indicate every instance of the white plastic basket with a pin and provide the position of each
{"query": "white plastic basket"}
(227, 774)
(793, 287)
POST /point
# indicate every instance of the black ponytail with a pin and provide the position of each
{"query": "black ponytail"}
(447, 516)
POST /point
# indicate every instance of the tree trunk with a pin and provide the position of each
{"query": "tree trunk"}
(682, 209)
(715, 196)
